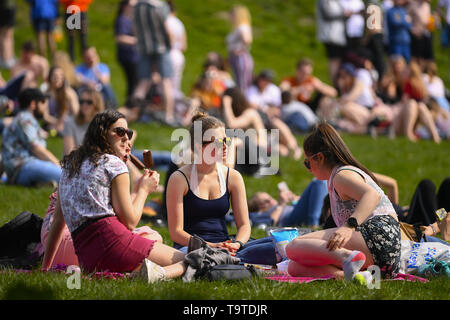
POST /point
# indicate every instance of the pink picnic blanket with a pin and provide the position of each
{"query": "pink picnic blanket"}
(287, 278)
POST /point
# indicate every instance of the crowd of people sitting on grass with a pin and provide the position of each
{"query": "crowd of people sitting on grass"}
(100, 194)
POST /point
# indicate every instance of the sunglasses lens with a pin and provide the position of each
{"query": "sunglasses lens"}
(228, 141)
(130, 134)
(122, 131)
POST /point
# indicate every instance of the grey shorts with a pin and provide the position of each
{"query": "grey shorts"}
(160, 63)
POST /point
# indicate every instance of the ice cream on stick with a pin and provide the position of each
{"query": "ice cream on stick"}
(137, 162)
(148, 159)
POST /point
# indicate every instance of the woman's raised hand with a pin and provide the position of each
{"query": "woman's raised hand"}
(149, 181)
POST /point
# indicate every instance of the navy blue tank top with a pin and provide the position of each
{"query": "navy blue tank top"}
(205, 218)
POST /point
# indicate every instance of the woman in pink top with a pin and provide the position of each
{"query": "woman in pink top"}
(368, 231)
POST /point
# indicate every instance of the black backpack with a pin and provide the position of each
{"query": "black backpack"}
(18, 241)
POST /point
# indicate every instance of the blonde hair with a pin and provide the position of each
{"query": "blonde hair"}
(241, 15)
(98, 105)
(416, 79)
(61, 59)
(431, 69)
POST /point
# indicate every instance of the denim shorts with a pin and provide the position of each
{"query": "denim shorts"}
(44, 25)
(161, 61)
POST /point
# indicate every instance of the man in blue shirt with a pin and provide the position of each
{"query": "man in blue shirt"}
(92, 73)
(25, 157)
(399, 25)
(43, 15)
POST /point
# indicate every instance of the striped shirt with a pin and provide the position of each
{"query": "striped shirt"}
(150, 17)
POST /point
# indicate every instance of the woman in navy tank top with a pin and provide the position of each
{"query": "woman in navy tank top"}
(199, 196)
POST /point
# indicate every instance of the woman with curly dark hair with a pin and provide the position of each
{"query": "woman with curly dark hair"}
(95, 201)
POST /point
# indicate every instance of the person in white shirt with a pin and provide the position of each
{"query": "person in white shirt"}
(435, 86)
(178, 39)
(265, 97)
(354, 24)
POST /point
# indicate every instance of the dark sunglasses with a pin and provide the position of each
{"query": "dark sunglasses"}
(220, 142)
(307, 162)
(120, 131)
(87, 101)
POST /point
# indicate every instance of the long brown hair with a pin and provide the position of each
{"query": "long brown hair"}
(61, 98)
(95, 142)
(239, 102)
(324, 138)
(416, 79)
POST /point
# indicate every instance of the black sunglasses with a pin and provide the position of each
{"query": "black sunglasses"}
(121, 132)
(87, 101)
(307, 162)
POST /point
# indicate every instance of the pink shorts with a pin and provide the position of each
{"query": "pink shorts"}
(107, 244)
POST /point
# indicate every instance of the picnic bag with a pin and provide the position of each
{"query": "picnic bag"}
(20, 238)
(415, 254)
(411, 232)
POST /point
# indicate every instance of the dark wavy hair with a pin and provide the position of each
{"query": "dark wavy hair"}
(95, 142)
(324, 138)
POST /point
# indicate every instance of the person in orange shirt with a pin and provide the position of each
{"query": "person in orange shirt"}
(306, 87)
(72, 28)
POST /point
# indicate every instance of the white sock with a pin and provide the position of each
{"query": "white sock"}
(353, 264)
(364, 277)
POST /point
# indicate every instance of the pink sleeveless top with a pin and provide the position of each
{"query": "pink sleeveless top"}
(341, 210)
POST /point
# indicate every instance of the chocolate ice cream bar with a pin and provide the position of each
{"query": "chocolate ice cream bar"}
(148, 159)
(137, 162)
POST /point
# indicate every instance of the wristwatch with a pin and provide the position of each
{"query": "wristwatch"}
(352, 223)
(240, 243)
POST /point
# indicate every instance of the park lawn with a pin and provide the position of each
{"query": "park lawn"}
(42, 286)
(407, 162)
(283, 32)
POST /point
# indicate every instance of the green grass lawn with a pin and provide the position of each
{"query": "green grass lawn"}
(284, 31)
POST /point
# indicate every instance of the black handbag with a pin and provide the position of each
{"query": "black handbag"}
(230, 272)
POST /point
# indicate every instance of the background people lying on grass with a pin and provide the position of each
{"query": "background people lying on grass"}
(367, 230)
(95, 202)
(199, 195)
(305, 212)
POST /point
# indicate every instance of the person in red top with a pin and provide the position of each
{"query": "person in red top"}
(306, 87)
(71, 23)
(415, 97)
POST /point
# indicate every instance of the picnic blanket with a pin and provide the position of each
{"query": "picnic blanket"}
(288, 278)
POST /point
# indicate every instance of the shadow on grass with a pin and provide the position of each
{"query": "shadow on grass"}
(20, 290)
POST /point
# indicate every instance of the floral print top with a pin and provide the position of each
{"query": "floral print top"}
(341, 210)
(88, 194)
(18, 140)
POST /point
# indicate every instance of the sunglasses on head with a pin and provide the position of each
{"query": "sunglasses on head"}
(307, 162)
(87, 101)
(121, 131)
(220, 142)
